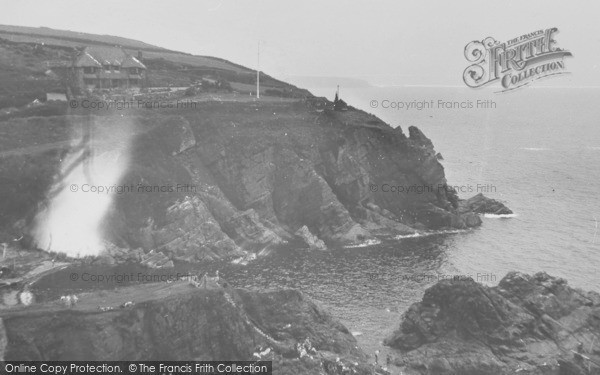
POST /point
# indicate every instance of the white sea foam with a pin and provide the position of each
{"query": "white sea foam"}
(370, 242)
(411, 235)
(429, 233)
(503, 216)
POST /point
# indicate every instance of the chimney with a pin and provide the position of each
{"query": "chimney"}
(140, 56)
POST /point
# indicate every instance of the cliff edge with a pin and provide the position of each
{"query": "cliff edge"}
(228, 179)
(178, 321)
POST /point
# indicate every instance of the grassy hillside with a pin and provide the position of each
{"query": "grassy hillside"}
(66, 37)
(23, 72)
(26, 54)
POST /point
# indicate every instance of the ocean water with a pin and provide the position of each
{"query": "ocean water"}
(537, 150)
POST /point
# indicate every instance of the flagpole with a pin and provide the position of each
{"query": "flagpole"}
(258, 73)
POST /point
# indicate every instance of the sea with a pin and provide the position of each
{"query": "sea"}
(537, 150)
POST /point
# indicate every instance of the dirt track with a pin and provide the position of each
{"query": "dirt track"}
(89, 302)
(35, 149)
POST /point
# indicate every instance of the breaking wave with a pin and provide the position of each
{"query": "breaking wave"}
(503, 216)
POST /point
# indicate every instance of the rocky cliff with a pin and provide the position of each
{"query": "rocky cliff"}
(527, 324)
(235, 177)
(181, 322)
(241, 178)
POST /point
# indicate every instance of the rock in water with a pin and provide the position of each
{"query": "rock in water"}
(310, 239)
(526, 324)
(482, 205)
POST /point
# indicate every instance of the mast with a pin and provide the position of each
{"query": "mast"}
(258, 73)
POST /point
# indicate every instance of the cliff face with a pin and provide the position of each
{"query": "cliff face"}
(266, 170)
(242, 176)
(181, 322)
(245, 177)
(527, 324)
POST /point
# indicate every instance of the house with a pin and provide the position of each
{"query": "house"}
(99, 67)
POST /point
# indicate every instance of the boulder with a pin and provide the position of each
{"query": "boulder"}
(527, 324)
(482, 205)
(156, 259)
(313, 242)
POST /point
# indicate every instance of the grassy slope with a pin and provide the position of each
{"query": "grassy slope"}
(45, 32)
(65, 38)
(26, 51)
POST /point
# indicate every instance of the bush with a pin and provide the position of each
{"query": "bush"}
(191, 91)
(21, 99)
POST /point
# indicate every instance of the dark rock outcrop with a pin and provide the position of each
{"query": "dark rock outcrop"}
(527, 324)
(417, 136)
(156, 260)
(176, 135)
(189, 232)
(233, 178)
(310, 239)
(482, 205)
(114, 254)
(182, 322)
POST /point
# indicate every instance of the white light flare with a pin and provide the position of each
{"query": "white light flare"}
(71, 221)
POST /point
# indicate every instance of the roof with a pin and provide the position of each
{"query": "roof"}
(97, 56)
(132, 62)
(86, 60)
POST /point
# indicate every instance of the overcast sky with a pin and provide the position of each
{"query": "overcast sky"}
(383, 42)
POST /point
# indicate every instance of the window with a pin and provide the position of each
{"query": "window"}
(89, 70)
(106, 67)
(116, 68)
(133, 71)
(134, 81)
(88, 82)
